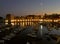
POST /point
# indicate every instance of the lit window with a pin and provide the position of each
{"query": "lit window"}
(12, 20)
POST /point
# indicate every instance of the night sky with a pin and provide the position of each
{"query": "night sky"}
(26, 7)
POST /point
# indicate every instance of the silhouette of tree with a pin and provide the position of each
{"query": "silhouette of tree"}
(1, 19)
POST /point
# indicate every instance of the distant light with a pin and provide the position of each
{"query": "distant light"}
(12, 23)
(12, 20)
(55, 20)
(41, 20)
(6, 23)
(41, 29)
(18, 20)
(6, 20)
(23, 24)
(41, 26)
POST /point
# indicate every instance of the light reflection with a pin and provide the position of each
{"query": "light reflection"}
(18, 20)
(41, 26)
(12, 23)
(25, 22)
(55, 20)
(41, 20)
(41, 29)
(12, 20)
(18, 24)
(6, 20)
(6, 23)
(15, 23)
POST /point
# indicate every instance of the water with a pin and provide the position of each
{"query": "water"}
(42, 36)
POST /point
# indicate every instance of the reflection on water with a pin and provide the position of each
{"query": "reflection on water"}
(44, 30)
(27, 43)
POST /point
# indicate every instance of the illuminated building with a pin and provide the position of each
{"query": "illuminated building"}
(28, 20)
(9, 19)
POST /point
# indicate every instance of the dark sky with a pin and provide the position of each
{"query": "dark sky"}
(25, 7)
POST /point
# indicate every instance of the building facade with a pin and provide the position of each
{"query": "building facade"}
(27, 20)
